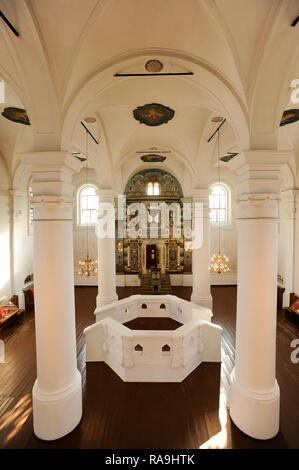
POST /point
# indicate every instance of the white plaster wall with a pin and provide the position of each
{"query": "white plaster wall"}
(80, 232)
(16, 241)
(23, 241)
(286, 245)
(228, 232)
(5, 285)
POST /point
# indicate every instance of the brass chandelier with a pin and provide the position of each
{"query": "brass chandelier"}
(88, 266)
(219, 262)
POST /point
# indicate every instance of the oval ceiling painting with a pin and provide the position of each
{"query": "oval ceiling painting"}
(289, 116)
(152, 158)
(153, 114)
(16, 115)
(154, 65)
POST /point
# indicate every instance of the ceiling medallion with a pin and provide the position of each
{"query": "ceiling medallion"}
(153, 114)
(90, 119)
(153, 66)
(217, 119)
(289, 116)
(16, 115)
(152, 158)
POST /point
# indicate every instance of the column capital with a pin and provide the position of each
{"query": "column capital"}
(52, 172)
(51, 160)
(259, 170)
(51, 184)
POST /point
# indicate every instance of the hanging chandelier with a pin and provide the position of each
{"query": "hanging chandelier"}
(88, 266)
(219, 262)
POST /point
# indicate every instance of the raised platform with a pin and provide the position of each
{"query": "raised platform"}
(152, 355)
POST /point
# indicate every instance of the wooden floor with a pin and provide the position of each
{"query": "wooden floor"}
(153, 323)
(121, 415)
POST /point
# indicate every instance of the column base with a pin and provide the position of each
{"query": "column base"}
(203, 301)
(57, 414)
(254, 413)
(101, 301)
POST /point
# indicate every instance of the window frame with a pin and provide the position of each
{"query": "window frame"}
(227, 220)
(79, 208)
(30, 209)
(153, 186)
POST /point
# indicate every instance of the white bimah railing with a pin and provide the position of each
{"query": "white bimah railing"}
(153, 356)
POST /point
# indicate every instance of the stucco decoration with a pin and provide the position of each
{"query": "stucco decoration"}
(16, 115)
(289, 116)
(169, 185)
(153, 114)
(153, 66)
(152, 158)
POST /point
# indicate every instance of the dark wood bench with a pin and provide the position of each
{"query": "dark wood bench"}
(288, 311)
(9, 312)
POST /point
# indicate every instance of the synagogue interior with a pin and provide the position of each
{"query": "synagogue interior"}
(149, 224)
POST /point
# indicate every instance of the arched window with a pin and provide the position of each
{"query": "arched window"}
(31, 208)
(153, 189)
(218, 204)
(87, 205)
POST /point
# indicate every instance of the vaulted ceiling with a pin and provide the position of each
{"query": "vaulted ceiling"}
(61, 68)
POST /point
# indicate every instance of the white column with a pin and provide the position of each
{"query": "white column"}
(106, 250)
(57, 396)
(254, 393)
(201, 292)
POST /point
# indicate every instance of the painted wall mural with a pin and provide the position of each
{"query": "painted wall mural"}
(153, 114)
(152, 158)
(170, 250)
(153, 66)
(289, 116)
(16, 115)
(136, 187)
